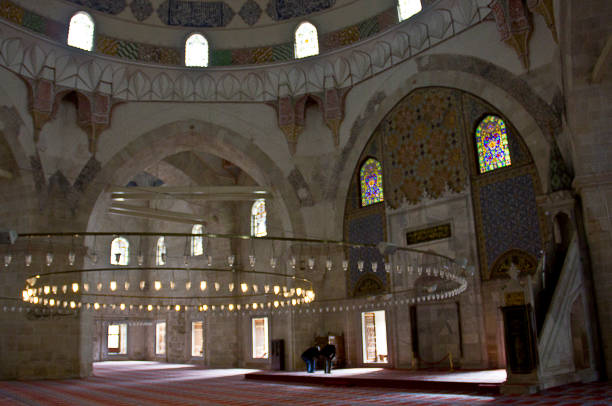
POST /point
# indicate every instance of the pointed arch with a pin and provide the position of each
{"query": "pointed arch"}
(196, 51)
(258, 218)
(492, 144)
(408, 8)
(197, 241)
(371, 181)
(160, 251)
(120, 251)
(81, 31)
(306, 40)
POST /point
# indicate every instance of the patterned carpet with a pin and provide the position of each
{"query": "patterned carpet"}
(150, 383)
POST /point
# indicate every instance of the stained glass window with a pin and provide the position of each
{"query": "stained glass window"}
(120, 251)
(196, 51)
(306, 41)
(81, 31)
(258, 218)
(197, 242)
(492, 144)
(408, 8)
(160, 253)
(371, 180)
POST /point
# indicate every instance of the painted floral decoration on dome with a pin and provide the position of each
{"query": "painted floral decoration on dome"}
(286, 9)
(104, 6)
(250, 12)
(187, 13)
(141, 9)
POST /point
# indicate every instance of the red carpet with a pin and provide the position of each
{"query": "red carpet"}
(484, 382)
(150, 383)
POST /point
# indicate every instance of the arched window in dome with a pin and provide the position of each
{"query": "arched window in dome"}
(197, 241)
(196, 51)
(120, 251)
(258, 218)
(160, 252)
(306, 40)
(408, 8)
(81, 31)
(370, 177)
(492, 144)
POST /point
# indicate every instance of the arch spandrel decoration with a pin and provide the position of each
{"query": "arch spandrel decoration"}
(371, 182)
(523, 261)
(368, 284)
(492, 144)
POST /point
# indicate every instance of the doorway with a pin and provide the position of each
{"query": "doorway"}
(374, 337)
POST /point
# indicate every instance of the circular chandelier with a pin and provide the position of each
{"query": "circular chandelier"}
(281, 281)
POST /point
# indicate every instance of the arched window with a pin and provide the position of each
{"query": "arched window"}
(306, 41)
(197, 242)
(160, 252)
(120, 251)
(492, 144)
(81, 31)
(408, 8)
(258, 218)
(370, 177)
(196, 51)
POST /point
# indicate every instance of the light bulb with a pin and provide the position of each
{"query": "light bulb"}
(49, 258)
(86, 287)
(209, 261)
(276, 303)
(28, 260)
(7, 259)
(255, 288)
(188, 285)
(205, 307)
(122, 306)
(113, 286)
(374, 266)
(252, 260)
(71, 258)
(52, 302)
(217, 286)
(254, 306)
(202, 285)
(172, 285)
(273, 262)
(276, 290)
(244, 287)
(64, 288)
(328, 264)
(150, 307)
(126, 285)
(72, 304)
(54, 289)
(47, 289)
(142, 285)
(230, 307)
(139, 258)
(99, 286)
(266, 288)
(96, 306)
(345, 264)
(292, 262)
(157, 285)
(231, 287)
(360, 265)
(177, 308)
(311, 263)
(230, 260)
(298, 291)
(94, 257)
(398, 269)
(75, 287)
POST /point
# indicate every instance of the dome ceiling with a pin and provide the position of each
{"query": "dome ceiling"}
(209, 13)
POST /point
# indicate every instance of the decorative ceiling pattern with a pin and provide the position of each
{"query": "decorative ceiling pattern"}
(66, 69)
(210, 14)
(285, 9)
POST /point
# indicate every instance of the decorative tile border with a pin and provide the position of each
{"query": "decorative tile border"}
(138, 51)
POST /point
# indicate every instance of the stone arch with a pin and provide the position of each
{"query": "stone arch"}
(368, 284)
(515, 109)
(187, 135)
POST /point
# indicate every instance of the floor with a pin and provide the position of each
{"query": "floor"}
(151, 383)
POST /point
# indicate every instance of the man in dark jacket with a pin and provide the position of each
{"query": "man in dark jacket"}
(328, 352)
(310, 358)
